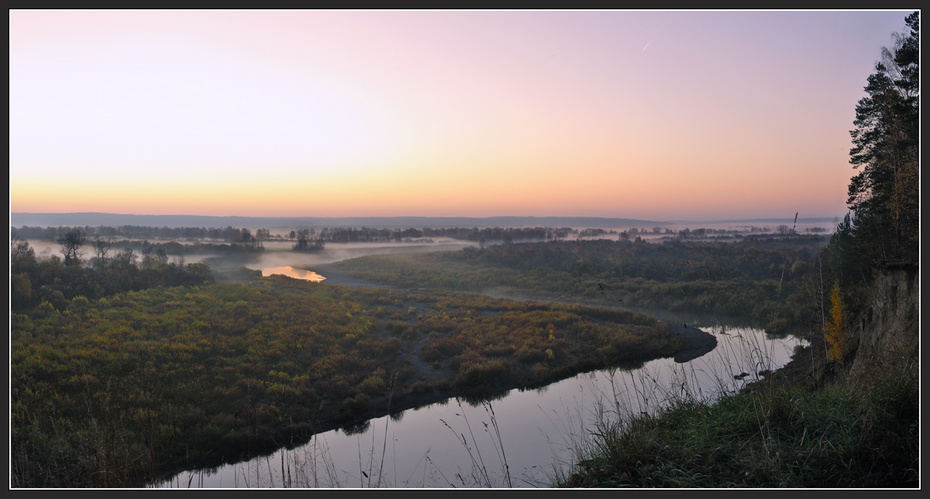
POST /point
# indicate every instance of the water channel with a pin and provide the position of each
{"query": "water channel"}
(526, 438)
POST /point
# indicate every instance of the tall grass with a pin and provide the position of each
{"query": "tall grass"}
(859, 431)
(480, 475)
(581, 428)
(314, 465)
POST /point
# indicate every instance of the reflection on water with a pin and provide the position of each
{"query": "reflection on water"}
(522, 439)
(307, 275)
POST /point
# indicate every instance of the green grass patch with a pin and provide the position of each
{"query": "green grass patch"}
(856, 432)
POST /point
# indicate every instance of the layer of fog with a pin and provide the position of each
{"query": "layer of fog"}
(44, 250)
(278, 252)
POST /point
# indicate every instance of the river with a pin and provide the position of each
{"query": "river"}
(525, 438)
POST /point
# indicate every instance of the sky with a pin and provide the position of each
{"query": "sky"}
(654, 115)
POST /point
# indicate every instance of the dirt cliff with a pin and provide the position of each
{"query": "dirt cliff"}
(886, 335)
(887, 332)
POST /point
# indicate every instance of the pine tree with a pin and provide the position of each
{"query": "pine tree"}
(885, 193)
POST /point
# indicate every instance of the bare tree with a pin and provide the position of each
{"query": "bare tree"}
(71, 243)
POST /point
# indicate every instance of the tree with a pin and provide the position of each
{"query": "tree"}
(125, 258)
(101, 248)
(71, 242)
(835, 329)
(304, 243)
(153, 256)
(22, 256)
(246, 239)
(883, 223)
(262, 235)
(884, 194)
(21, 293)
(846, 262)
(23, 266)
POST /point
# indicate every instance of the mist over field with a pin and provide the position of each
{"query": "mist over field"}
(323, 248)
(278, 252)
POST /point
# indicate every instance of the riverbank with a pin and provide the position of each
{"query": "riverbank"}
(701, 342)
(817, 422)
(432, 390)
(399, 350)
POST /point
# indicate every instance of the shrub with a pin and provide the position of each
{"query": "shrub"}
(835, 328)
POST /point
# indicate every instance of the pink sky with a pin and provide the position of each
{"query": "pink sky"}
(660, 115)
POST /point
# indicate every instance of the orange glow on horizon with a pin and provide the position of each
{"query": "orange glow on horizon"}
(371, 113)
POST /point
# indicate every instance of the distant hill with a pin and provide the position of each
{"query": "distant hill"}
(115, 220)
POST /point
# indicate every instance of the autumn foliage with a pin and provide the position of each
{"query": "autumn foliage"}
(835, 328)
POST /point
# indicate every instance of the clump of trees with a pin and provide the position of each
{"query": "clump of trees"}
(883, 225)
(54, 281)
(305, 242)
(229, 234)
(884, 195)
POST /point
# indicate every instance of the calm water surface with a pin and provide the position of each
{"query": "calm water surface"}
(279, 259)
(295, 273)
(527, 438)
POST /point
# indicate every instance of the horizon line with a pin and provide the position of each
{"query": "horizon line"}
(721, 219)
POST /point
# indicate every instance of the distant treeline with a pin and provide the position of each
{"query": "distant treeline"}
(235, 235)
(248, 238)
(505, 234)
(229, 234)
(515, 234)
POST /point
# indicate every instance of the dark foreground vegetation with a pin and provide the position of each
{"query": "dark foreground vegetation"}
(856, 431)
(820, 422)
